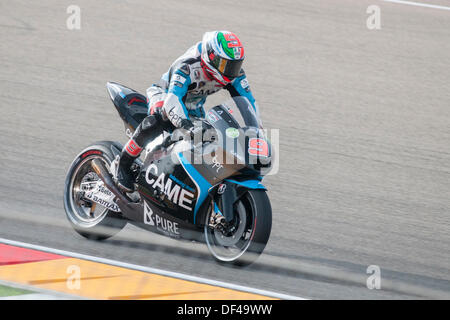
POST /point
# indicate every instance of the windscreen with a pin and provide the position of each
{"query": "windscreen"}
(237, 108)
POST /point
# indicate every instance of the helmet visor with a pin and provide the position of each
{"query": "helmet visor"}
(228, 68)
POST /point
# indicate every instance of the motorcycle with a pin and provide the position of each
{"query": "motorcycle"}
(208, 191)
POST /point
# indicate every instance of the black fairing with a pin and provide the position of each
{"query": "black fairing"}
(223, 120)
(176, 192)
(174, 178)
(131, 105)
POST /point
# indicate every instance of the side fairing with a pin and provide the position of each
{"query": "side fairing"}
(165, 183)
(178, 184)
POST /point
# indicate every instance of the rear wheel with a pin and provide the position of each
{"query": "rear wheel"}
(88, 218)
(250, 233)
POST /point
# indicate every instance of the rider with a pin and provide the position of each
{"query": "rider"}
(210, 65)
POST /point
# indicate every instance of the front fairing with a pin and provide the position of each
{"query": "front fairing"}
(240, 136)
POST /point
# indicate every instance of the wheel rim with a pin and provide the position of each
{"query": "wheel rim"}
(83, 212)
(234, 246)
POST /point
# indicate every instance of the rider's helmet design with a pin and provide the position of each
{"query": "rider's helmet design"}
(222, 56)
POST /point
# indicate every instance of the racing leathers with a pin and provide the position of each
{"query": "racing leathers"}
(174, 102)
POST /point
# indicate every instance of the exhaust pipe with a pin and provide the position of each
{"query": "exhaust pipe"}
(103, 173)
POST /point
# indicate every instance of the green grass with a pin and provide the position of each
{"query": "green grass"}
(9, 291)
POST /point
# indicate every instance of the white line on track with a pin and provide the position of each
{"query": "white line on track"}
(419, 4)
(152, 270)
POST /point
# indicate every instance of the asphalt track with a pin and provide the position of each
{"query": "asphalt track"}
(364, 119)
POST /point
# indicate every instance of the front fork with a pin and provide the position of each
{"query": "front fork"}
(222, 214)
(224, 200)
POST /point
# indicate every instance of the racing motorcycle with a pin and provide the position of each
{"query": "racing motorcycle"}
(208, 190)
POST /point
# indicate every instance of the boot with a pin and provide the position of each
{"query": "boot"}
(147, 130)
(125, 178)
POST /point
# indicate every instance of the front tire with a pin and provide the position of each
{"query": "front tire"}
(254, 223)
(90, 220)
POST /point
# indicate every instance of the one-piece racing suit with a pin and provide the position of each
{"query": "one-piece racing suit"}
(183, 89)
(174, 102)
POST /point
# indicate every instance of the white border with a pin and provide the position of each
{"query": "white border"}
(418, 4)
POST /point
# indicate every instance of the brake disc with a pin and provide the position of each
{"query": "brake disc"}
(234, 237)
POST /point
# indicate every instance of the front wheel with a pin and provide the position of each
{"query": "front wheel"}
(252, 225)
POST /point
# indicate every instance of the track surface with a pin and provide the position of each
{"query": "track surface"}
(364, 119)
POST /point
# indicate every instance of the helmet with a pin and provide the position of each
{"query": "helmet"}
(222, 56)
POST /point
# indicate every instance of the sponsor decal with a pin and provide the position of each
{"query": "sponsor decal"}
(221, 188)
(102, 196)
(174, 117)
(212, 117)
(106, 204)
(202, 92)
(177, 77)
(216, 164)
(132, 148)
(161, 223)
(228, 109)
(238, 52)
(232, 133)
(104, 190)
(88, 153)
(171, 189)
(245, 85)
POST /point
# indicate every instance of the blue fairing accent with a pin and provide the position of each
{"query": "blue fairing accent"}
(183, 185)
(202, 184)
(242, 92)
(250, 184)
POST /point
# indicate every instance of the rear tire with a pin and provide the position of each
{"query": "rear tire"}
(252, 239)
(108, 222)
